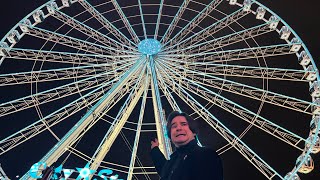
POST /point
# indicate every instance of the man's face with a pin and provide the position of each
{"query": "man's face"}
(180, 131)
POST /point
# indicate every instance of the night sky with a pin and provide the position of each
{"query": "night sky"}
(302, 16)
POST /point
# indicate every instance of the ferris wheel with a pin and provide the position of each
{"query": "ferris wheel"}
(88, 84)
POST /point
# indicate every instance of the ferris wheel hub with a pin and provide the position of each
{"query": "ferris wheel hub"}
(149, 46)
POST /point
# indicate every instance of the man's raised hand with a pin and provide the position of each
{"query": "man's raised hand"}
(154, 143)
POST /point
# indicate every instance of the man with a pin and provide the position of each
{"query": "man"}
(189, 161)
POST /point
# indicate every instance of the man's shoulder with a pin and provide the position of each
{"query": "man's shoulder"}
(204, 149)
(205, 152)
(202, 157)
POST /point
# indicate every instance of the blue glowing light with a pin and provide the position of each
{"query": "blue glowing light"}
(35, 168)
(85, 172)
(149, 47)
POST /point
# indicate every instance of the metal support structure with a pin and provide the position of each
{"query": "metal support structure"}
(168, 95)
(215, 69)
(241, 112)
(175, 21)
(114, 130)
(247, 71)
(60, 74)
(118, 123)
(126, 22)
(57, 93)
(195, 21)
(106, 24)
(86, 57)
(63, 57)
(216, 124)
(235, 54)
(73, 42)
(210, 30)
(142, 20)
(254, 92)
(164, 142)
(66, 141)
(138, 131)
(210, 45)
(156, 31)
(3, 175)
(90, 32)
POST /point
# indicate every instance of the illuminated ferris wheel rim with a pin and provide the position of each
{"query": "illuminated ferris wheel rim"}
(152, 51)
(253, 1)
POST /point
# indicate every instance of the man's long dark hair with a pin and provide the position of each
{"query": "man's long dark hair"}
(193, 125)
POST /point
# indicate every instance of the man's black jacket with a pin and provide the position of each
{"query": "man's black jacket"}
(189, 162)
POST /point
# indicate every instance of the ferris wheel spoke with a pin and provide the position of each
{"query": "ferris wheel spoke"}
(53, 74)
(45, 97)
(126, 22)
(168, 95)
(227, 134)
(249, 116)
(106, 23)
(211, 45)
(262, 95)
(238, 54)
(63, 57)
(119, 122)
(73, 42)
(156, 31)
(57, 93)
(142, 20)
(194, 22)
(239, 111)
(255, 72)
(253, 92)
(210, 30)
(174, 22)
(88, 31)
(50, 120)
(245, 71)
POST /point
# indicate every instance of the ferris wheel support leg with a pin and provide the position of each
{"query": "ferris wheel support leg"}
(164, 142)
(65, 142)
(114, 131)
(138, 132)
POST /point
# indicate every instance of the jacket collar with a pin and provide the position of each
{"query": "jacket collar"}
(185, 149)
